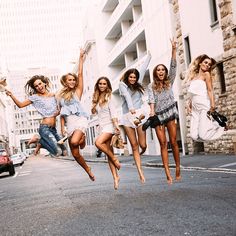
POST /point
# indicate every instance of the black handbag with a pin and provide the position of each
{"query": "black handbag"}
(152, 122)
(221, 119)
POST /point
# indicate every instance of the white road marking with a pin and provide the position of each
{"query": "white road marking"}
(230, 164)
(24, 174)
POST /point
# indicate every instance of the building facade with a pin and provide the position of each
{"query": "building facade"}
(125, 30)
(213, 34)
(123, 33)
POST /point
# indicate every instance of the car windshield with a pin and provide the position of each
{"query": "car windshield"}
(15, 156)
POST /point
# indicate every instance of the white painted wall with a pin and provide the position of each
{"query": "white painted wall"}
(196, 23)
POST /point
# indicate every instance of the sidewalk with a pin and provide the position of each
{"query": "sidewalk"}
(214, 162)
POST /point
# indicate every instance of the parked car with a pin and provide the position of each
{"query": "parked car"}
(17, 159)
(6, 164)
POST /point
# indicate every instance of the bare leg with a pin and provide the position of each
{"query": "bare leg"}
(82, 142)
(160, 132)
(74, 146)
(101, 144)
(36, 151)
(142, 139)
(130, 132)
(113, 169)
(172, 130)
(34, 139)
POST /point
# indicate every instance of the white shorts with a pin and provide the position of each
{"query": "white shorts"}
(109, 128)
(128, 118)
(74, 122)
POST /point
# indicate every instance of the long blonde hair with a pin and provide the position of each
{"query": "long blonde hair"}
(99, 97)
(195, 66)
(65, 92)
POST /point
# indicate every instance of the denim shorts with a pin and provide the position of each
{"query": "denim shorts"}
(49, 138)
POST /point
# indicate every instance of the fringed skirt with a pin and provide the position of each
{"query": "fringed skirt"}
(168, 114)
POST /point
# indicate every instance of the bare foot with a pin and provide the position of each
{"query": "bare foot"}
(178, 178)
(177, 174)
(82, 142)
(34, 139)
(142, 178)
(117, 163)
(169, 180)
(116, 183)
(91, 175)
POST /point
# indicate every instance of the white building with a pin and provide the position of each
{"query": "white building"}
(123, 33)
(40, 33)
(209, 27)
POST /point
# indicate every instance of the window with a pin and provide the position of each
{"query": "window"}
(220, 68)
(213, 12)
(187, 50)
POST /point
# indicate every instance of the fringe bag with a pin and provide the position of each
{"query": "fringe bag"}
(117, 141)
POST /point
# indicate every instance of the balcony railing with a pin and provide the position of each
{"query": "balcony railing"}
(116, 15)
(126, 40)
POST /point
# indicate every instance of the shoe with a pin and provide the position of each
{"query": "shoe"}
(61, 141)
(150, 122)
(219, 118)
(139, 119)
(146, 124)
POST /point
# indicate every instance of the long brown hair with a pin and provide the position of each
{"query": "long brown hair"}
(136, 86)
(30, 88)
(67, 93)
(195, 66)
(99, 97)
(158, 84)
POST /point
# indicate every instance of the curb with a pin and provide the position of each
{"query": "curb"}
(158, 165)
(213, 169)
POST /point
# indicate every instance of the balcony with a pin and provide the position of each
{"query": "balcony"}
(122, 12)
(109, 5)
(127, 42)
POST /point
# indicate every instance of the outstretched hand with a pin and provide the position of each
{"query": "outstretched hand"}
(8, 93)
(173, 43)
(82, 53)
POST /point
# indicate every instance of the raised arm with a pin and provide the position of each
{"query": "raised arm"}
(173, 63)
(143, 67)
(123, 88)
(16, 101)
(174, 47)
(151, 100)
(80, 87)
(210, 92)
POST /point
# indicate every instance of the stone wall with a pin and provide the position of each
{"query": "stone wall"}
(226, 102)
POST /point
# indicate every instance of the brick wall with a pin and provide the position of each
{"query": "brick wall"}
(226, 102)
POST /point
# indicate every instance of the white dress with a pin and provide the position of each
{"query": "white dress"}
(105, 115)
(201, 127)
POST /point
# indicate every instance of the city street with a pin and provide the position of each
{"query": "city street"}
(55, 197)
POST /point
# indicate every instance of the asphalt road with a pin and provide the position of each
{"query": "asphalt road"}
(55, 197)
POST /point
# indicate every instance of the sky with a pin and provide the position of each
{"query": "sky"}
(37, 33)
